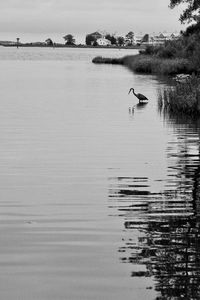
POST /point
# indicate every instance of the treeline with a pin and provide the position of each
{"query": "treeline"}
(128, 40)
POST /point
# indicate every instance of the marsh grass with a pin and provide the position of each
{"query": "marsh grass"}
(155, 65)
(150, 64)
(107, 60)
(183, 97)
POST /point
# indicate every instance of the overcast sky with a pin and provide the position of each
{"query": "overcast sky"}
(51, 18)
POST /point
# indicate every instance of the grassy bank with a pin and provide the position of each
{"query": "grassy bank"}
(155, 65)
(149, 64)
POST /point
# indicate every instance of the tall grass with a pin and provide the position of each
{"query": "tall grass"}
(155, 65)
(183, 97)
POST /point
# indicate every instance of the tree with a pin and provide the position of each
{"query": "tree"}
(130, 38)
(120, 41)
(192, 29)
(191, 12)
(49, 42)
(90, 39)
(95, 43)
(70, 40)
(111, 38)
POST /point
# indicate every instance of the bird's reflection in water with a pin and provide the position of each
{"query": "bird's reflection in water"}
(131, 110)
(138, 106)
(162, 230)
(141, 105)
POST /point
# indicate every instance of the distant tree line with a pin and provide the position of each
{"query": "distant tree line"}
(91, 39)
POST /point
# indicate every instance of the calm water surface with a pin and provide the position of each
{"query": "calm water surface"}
(96, 201)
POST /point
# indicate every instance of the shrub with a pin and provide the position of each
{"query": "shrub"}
(149, 50)
(167, 52)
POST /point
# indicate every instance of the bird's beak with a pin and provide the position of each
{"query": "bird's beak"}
(129, 91)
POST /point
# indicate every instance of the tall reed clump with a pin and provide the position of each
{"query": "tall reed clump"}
(183, 97)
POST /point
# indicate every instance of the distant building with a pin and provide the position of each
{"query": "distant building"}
(91, 38)
(163, 37)
(103, 42)
(174, 36)
(138, 39)
(159, 39)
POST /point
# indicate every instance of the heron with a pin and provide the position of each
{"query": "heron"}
(140, 97)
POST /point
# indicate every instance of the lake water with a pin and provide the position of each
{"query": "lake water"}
(97, 201)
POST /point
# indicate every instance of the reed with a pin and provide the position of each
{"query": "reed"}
(183, 97)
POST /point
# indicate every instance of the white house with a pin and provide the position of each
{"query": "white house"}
(174, 36)
(103, 42)
(138, 38)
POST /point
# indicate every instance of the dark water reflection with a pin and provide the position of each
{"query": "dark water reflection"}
(162, 229)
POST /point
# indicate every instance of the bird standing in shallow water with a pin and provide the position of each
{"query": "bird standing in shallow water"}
(140, 97)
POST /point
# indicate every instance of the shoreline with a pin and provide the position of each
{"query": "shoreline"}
(183, 97)
(147, 64)
(74, 46)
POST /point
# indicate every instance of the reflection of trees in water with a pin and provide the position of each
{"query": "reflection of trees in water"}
(170, 251)
(167, 225)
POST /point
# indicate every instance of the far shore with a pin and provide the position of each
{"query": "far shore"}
(70, 46)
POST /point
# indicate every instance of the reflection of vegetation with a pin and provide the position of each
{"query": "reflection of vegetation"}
(164, 240)
(171, 254)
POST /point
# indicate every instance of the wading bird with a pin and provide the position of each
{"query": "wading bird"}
(140, 97)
